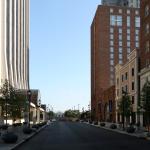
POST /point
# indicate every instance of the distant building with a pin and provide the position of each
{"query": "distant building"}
(114, 34)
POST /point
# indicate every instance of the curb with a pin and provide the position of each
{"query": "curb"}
(27, 139)
(121, 132)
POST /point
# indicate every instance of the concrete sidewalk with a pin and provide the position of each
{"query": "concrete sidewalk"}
(138, 133)
(21, 138)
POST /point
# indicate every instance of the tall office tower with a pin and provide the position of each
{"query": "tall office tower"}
(134, 3)
(14, 42)
(115, 2)
(114, 34)
(127, 3)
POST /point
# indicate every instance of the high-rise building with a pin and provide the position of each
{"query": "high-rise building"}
(145, 43)
(14, 42)
(114, 34)
(127, 3)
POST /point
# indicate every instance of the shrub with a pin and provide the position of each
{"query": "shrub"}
(9, 137)
(35, 126)
(27, 130)
(90, 121)
(95, 122)
(113, 126)
(102, 124)
(4, 127)
(130, 129)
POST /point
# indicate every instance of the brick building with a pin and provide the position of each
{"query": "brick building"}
(144, 44)
(112, 39)
(106, 105)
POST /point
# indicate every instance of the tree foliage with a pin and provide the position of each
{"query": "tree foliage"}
(71, 113)
(125, 106)
(12, 101)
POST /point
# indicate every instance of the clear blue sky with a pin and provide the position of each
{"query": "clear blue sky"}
(60, 51)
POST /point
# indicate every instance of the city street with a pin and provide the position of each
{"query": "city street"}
(80, 136)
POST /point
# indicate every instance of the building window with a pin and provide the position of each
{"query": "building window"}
(137, 22)
(115, 20)
(132, 72)
(111, 10)
(128, 50)
(111, 30)
(120, 61)
(126, 75)
(111, 43)
(111, 49)
(111, 36)
(146, 10)
(128, 37)
(120, 31)
(147, 46)
(111, 62)
(132, 85)
(111, 56)
(126, 88)
(128, 31)
(137, 38)
(147, 28)
(137, 32)
(128, 11)
(120, 56)
(120, 43)
(120, 36)
(128, 44)
(132, 99)
(122, 90)
(120, 49)
(136, 44)
(128, 21)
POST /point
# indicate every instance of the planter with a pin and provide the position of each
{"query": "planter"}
(130, 129)
(27, 130)
(102, 124)
(4, 127)
(96, 123)
(36, 126)
(90, 122)
(113, 126)
(9, 137)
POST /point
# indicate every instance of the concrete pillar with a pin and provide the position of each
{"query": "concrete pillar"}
(38, 115)
(141, 120)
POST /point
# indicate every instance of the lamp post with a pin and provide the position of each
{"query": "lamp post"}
(29, 100)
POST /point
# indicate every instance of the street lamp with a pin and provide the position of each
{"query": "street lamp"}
(29, 100)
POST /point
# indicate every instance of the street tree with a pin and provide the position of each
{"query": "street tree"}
(125, 107)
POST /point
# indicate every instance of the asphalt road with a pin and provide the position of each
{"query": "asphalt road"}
(79, 136)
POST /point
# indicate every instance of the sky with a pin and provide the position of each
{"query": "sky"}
(60, 51)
